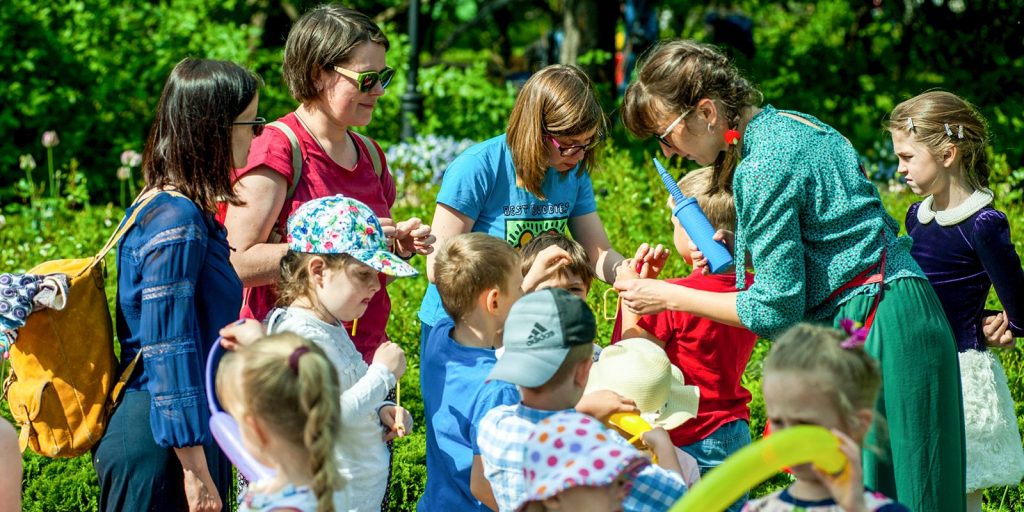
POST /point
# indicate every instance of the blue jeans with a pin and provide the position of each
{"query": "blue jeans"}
(715, 448)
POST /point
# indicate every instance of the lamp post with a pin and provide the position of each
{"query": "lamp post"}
(412, 100)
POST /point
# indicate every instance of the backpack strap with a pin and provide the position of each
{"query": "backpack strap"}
(115, 393)
(126, 224)
(376, 155)
(296, 155)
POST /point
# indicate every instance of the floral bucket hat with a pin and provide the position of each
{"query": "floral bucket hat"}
(570, 449)
(342, 225)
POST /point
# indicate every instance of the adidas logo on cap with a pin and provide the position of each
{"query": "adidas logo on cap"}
(538, 334)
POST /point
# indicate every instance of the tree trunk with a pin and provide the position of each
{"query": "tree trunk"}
(589, 27)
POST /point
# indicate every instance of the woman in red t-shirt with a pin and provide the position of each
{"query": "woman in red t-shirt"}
(335, 65)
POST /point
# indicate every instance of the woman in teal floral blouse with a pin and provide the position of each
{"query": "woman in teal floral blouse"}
(822, 248)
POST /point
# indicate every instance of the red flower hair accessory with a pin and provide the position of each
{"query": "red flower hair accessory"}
(732, 137)
(857, 334)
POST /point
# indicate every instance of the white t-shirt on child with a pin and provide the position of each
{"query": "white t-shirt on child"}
(360, 453)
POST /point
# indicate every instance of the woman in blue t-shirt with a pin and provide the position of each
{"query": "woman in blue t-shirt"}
(175, 290)
(533, 179)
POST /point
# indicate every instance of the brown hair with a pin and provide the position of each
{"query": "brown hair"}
(942, 118)
(469, 264)
(559, 101)
(298, 405)
(579, 264)
(673, 78)
(324, 36)
(577, 354)
(718, 206)
(294, 282)
(189, 145)
(849, 375)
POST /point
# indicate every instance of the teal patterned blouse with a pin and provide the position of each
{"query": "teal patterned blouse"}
(811, 221)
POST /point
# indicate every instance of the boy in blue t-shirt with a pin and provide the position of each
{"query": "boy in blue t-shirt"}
(478, 278)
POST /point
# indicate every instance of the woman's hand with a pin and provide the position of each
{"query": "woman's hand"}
(241, 333)
(201, 494)
(700, 263)
(846, 487)
(996, 329)
(397, 420)
(408, 237)
(645, 296)
(650, 260)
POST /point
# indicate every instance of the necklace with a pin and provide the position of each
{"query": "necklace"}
(317, 139)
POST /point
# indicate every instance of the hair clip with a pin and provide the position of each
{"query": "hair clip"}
(910, 124)
(293, 359)
(949, 133)
(857, 334)
(960, 132)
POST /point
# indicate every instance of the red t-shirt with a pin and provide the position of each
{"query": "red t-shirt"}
(321, 177)
(711, 355)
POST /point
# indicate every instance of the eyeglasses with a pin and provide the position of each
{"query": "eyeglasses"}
(257, 125)
(367, 80)
(572, 150)
(668, 131)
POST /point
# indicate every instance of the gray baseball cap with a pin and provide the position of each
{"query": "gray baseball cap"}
(540, 329)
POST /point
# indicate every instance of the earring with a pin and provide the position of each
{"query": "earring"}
(709, 127)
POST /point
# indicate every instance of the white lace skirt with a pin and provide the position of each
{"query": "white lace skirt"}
(995, 455)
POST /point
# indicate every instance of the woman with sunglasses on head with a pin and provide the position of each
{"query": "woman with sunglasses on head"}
(335, 66)
(531, 180)
(823, 249)
(175, 289)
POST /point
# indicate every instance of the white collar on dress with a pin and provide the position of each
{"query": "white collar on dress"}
(977, 200)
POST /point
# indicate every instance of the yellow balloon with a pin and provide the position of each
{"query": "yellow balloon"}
(757, 462)
(630, 423)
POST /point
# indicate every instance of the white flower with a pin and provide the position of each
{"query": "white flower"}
(131, 158)
(26, 162)
(124, 173)
(50, 139)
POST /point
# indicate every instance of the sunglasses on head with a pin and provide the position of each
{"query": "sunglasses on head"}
(576, 148)
(257, 125)
(367, 80)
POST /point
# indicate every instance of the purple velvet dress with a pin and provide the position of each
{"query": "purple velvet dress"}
(964, 251)
(962, 261)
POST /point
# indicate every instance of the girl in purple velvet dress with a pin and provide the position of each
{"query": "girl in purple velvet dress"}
(963, 245)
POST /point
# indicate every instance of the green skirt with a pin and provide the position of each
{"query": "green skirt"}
(915, 453)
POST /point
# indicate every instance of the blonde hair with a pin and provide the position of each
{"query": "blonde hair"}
(577, 354)
(324, 36)
(849, 375)
(942, 118)
(718, 205)
(294, 283)
(469, 264)
(297, 404)
(673, 78)
(579, 264)
(558, 101)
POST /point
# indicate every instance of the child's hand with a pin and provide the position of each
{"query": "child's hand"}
(547, 262)
(660, 444)
(996, 329)
(391, 356)
(602, 404)
(397, 420)
(240, 333)
(700, 263)
(846, 487)
(652, 260)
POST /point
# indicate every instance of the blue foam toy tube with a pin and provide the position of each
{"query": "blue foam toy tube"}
(696, 224)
